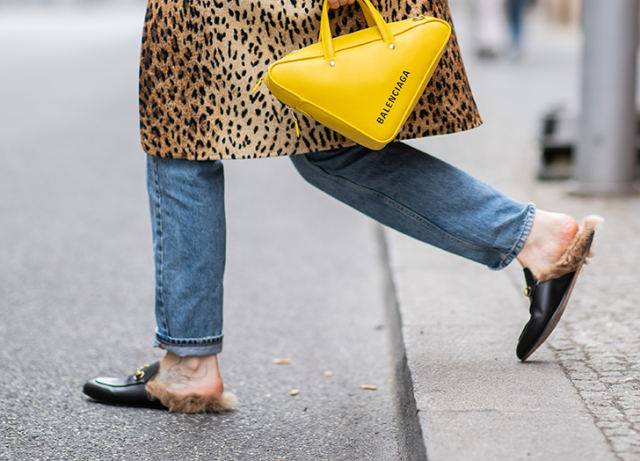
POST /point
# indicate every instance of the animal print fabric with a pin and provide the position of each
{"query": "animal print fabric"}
(200, 60)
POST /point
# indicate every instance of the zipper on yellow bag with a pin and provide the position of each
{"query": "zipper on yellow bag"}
(295, 121)
(259, 83)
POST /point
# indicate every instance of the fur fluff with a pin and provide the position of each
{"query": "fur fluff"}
(571, 258)
(191, 403)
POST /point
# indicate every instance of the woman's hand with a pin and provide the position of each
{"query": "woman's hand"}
(338, 3)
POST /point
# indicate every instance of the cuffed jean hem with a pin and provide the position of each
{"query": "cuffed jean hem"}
(189, 347)
(524, 234)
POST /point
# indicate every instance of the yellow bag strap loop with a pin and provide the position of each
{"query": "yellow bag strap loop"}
(325, 28)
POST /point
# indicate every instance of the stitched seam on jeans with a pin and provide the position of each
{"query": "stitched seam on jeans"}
(401, 208)
(161, 244)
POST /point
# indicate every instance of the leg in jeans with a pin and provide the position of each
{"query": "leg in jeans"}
(425, 198)
(399, 186)
(516, 10)
(440, 205)
(186, 200)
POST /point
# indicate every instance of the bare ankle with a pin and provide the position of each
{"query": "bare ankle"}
(549, 239)
(184, 375)
(190, 385)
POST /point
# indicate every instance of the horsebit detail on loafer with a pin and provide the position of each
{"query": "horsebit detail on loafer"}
(139, 373)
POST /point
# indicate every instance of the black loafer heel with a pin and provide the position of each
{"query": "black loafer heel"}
(548, 302)
(130, 391)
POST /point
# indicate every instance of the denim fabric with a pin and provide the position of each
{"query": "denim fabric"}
(398, 186)
(516, 11)
(423, 197)
(186, 200)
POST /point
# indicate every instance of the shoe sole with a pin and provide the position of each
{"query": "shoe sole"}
(159, 406)
(555, 318)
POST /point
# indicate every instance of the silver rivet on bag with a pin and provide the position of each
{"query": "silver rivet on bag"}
(392, 46)
(332, 63)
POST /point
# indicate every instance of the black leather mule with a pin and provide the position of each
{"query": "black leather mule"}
(130, 391)
(548, 302)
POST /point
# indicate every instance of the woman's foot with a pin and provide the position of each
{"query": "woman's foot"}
(555, 244)
(552, 257)
(190, 385)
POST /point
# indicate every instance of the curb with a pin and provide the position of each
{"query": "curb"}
(410, 436)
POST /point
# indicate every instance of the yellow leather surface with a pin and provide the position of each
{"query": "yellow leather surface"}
(373, 84)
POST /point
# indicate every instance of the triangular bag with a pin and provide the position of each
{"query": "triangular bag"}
(363, 85)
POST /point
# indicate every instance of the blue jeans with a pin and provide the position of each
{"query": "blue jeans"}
(398, 186)
(516, 10)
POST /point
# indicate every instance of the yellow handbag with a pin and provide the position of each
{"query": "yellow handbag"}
(363, 85)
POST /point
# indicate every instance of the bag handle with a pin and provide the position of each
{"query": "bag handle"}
(367, 16)
(325, 29)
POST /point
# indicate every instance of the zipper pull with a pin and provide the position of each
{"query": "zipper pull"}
(295, 121)
(259, 83)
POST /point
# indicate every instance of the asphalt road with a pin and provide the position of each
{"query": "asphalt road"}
(76, 275)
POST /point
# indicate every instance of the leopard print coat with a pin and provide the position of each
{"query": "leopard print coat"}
(200, 60)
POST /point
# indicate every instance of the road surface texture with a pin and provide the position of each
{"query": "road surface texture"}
(76, 276)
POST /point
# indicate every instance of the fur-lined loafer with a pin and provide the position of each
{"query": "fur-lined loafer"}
(549, 298)
(130, 391)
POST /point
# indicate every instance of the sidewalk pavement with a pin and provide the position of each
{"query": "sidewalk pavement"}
(461, 392)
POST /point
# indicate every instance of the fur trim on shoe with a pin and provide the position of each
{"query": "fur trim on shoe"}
(191, 403)
(570, 260)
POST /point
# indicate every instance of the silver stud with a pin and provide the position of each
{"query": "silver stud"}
(332, 63)
(392, 46)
